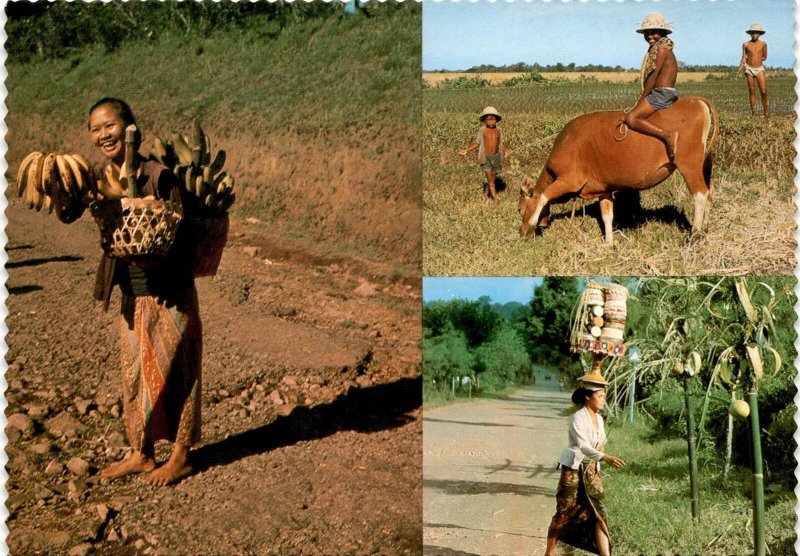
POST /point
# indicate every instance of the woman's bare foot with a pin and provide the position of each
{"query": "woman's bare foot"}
(138, 462)
(176, 468)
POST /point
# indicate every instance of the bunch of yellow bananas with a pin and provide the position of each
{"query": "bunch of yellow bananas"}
(54, 181)
(190, 160)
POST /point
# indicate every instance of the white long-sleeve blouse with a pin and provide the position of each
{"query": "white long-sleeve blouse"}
(584, 440)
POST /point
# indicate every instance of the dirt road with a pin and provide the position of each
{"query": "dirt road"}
(311, 404)
(489, 472)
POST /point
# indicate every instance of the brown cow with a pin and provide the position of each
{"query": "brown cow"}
(591, 159)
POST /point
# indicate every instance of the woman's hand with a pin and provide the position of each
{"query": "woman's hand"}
(613, 461)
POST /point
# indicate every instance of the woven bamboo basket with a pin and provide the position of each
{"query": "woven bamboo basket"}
(137, 229)
(209, 236)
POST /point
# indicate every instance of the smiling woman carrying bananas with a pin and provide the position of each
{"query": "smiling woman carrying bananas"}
(161, 343)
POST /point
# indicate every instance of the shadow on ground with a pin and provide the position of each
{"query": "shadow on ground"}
(629, 213)
(19, 290)
(41, 261)
(528, 470)
(429, 550)
(381, 407)
(473, 423)
(454, 488)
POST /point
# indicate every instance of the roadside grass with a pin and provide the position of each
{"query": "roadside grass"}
(319, 121)
(434, 397)
(750, 225)
(649, 507)
(314, 77)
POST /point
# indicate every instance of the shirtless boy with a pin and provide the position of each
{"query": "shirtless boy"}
(754, 52)
(659, 71)
(489, 142)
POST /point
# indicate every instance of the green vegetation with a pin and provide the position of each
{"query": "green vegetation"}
(572, 67)
(730, 324)
(648, 500)
(463, 82)
(478, 348)
(751, 224)
(726, 339)
(54, 30)
(469, 349)
(724, 322)
(317, 109)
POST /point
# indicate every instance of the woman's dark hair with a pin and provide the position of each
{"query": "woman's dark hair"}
(124, 111)
(579, 396)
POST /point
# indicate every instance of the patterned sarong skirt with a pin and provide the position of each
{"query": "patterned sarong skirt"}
(579, 507)
(161, 348)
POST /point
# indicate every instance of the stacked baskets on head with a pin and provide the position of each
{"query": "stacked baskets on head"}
(614, 312)
(600, 322)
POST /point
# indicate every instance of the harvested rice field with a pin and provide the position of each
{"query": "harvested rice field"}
(750, 226)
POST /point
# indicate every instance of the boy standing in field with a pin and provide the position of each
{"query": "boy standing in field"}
(658, 74)
(754, 52)
(489, 142)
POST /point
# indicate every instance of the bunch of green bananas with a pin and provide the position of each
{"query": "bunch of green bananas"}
(190, 160)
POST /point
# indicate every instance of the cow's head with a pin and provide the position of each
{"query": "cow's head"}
(529, 195)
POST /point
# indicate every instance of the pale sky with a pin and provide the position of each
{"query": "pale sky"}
(459, 35)
(501, 290)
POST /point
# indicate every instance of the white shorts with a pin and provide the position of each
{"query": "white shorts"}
(753, 72)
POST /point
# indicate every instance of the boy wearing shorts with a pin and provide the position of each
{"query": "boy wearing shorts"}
(491, 150)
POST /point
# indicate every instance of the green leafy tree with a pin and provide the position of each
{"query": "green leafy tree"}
(444, 357)
(503, 361)
(547, 327)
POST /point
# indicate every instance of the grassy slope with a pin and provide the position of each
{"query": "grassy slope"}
(463, 234)
(649, 507)
(318, 121)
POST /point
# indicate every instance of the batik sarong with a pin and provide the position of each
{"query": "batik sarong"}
(579, 507)
(161, 346)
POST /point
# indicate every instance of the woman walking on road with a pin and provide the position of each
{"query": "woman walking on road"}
(580, 519)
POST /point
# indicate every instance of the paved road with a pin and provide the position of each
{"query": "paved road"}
(489, 473)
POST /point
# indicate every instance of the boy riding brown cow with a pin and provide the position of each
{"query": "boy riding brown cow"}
(658, 74)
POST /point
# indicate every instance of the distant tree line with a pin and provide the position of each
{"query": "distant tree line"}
(44, 30)
(521, 67)
(474, 347)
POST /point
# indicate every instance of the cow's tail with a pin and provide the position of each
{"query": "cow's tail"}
(714, 122)
(708, 160)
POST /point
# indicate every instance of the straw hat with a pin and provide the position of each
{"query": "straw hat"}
(489, 111)
(756, 28)
(594, 381)
(654, 21)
